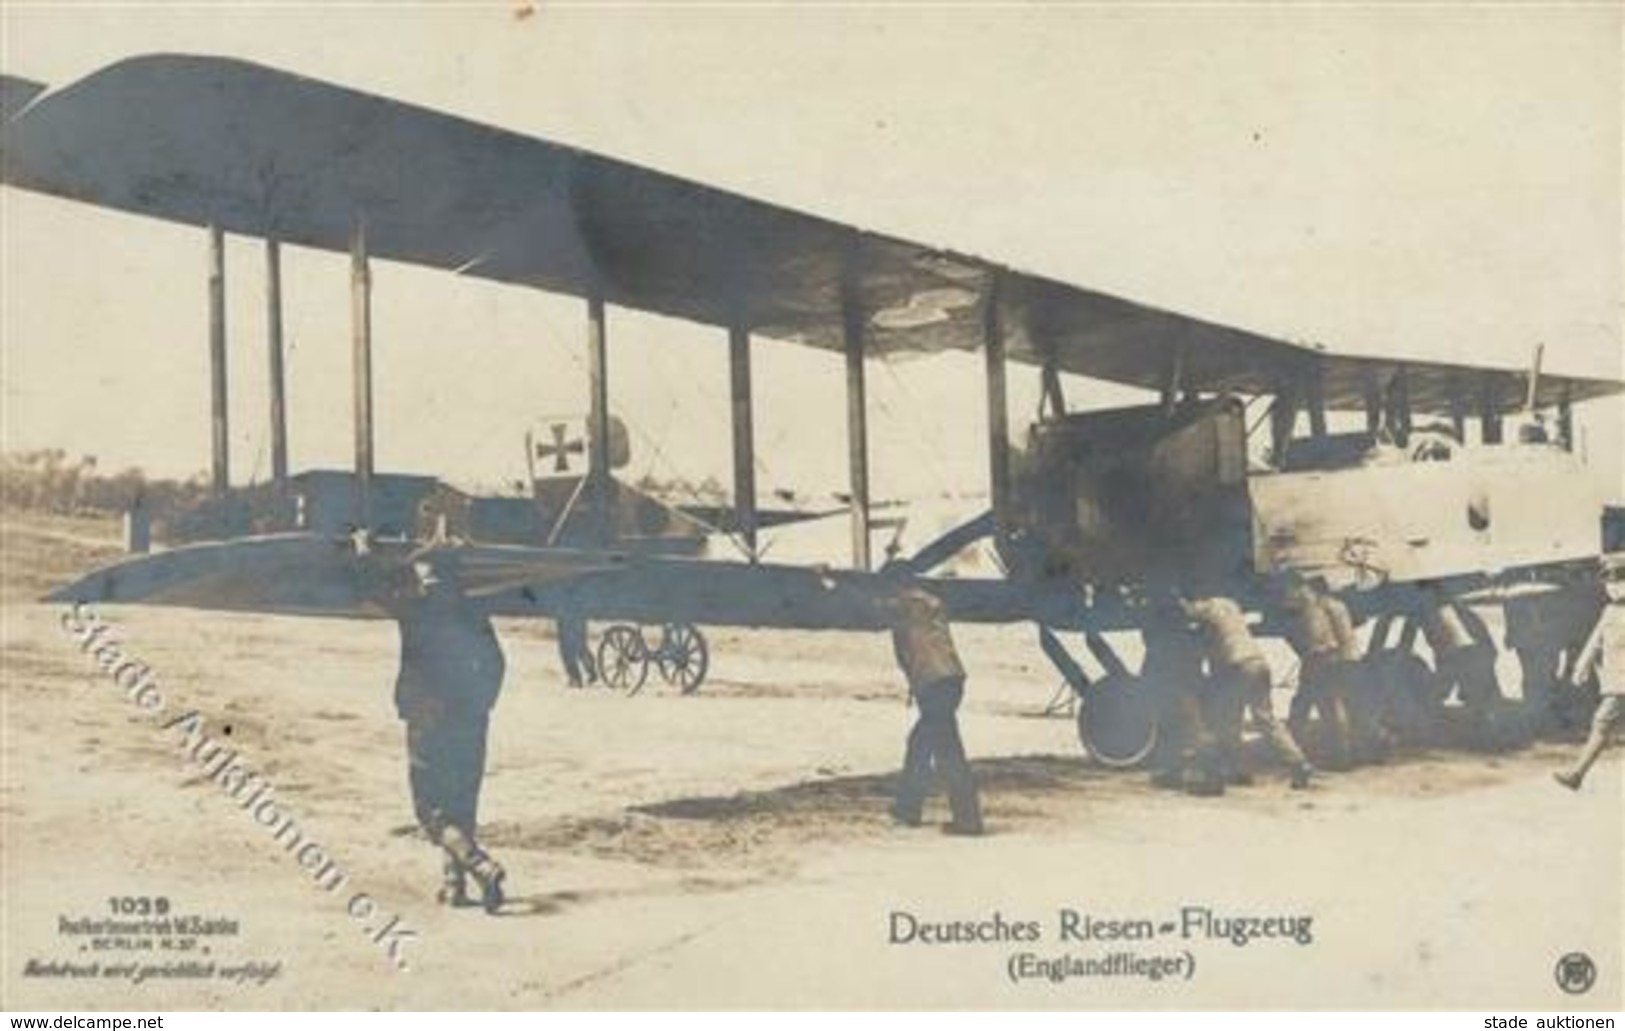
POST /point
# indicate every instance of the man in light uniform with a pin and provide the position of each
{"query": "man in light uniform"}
(1242, 680)
(1370, 736)
(1323, 681)
(925, 651)
(1605, 650)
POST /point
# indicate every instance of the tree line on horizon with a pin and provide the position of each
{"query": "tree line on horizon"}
(49, 480)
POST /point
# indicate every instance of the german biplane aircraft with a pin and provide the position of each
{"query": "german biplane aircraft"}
(1253, 455)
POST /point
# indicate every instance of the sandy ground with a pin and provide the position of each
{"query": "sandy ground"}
(732, 850)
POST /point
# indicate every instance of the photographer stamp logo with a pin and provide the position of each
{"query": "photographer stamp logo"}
(1576, 973)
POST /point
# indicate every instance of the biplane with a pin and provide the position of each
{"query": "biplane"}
(1391, 480)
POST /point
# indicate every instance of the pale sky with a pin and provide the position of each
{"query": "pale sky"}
(1439, 182)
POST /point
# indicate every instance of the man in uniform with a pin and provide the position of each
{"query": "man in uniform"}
(1323, 682)
(450, 675)
(1187, 747)
(1369, 716)
(1604, 650)
(936, 682)
(1242, 680)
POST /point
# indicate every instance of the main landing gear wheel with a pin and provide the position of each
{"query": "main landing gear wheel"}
(683, 657)
(1117, 721)
(623, 658)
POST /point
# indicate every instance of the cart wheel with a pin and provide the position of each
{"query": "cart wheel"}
(683, 657)
(1117, 722)
(623, 658)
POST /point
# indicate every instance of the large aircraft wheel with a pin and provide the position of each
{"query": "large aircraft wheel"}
(1117, 722)
(683, 657)
(623, 658)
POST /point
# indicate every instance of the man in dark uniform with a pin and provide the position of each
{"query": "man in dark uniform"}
(450, 675)
(1187, 748)
(1242, 680)
(936, 681)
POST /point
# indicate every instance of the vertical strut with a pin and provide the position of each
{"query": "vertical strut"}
(998, 404)
(273, 344)
(600, 492)
(361, 371)
(744, 441)
(857, 412)
(220, 433)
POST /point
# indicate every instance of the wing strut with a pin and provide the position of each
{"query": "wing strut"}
(998, 403)
(857, 412)
(744, 443)
(273, 346)
(220, 465)
(602, 494)
(1489, 412)
(361, 371)
(1315, 400)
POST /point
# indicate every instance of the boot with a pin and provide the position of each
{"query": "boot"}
(964, 803)
(453, 885)
(487, 872)
(908, 808)
(489, 875)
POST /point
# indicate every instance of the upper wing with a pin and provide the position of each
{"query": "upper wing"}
(258, 151)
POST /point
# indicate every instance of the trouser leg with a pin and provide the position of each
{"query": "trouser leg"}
(915, 781)
(1261, 706)
(425, 776)
(1226, 709)
(446, 756)
(1201, 754)
(465, 774)
(572, 649)
(1341, 727)
(1608, 716)
(964, 798)
(940, 743)
(1301, 705)
(1327, 692)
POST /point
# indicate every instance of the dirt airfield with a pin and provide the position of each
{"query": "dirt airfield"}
(732, 849)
